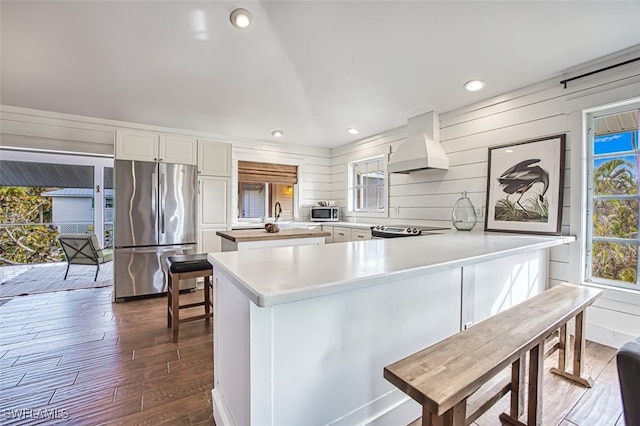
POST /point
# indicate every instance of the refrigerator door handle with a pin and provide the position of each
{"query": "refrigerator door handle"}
(161, 204)
(154, 198)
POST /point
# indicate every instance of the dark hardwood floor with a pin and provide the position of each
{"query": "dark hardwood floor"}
(76, 358)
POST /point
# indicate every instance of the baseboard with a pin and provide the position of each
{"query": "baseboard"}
(606, 336)
(394, 407)
(221, 414)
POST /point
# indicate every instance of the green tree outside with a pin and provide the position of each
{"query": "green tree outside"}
(21, 243)
(615, 218)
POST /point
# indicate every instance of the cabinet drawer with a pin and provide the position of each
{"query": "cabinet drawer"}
(341, 234)
(360, 234)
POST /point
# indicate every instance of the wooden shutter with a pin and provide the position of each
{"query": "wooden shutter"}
(250, 171)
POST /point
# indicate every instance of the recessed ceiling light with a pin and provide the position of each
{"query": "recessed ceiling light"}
(241, 18)
(277, 133)
(353, 130)
(475, 85)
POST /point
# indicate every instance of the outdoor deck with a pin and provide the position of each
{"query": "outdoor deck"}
(20, 280)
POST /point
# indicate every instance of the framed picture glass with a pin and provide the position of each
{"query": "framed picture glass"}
(525, 185)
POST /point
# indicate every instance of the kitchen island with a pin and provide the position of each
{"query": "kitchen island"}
(246, 239)
(301, 334)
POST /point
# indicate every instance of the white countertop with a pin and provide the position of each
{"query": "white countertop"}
(280, 275)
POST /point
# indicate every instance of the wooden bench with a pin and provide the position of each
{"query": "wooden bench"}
(443, 376)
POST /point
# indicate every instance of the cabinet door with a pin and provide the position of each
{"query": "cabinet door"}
(214, 202)
(177, 149)
(210, 242)
(360, 234)
(341, 235)
(214, 158)
(136, 145)
(329, 239)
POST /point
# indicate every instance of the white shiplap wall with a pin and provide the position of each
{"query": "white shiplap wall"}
(427, 197)
(314, 169)
(45, 130)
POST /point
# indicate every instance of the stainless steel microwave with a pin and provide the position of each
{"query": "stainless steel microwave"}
(325, 214)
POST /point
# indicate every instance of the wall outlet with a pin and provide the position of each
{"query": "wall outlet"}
(479, 212)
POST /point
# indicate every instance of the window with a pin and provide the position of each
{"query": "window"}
(367, 185)
(266, 190)
(613, 199)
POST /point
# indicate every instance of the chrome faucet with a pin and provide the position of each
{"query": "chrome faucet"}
(277, 210)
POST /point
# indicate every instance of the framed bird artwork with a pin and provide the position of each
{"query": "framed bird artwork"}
(525, 186)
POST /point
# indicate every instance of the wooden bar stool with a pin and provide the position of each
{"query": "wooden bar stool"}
(182, 267)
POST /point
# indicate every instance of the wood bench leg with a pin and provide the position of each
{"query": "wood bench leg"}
(517, 389)
(563, 347)
(536, 367)
(578, 355)
(455, 416)
(534, 397)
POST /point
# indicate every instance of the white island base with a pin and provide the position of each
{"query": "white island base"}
(311, 351)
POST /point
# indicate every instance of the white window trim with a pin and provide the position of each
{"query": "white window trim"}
(349, 190)
(99, 162)
(588, 165)
(578, 110)
(261, 159)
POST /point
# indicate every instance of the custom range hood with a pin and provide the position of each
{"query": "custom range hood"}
(422, 149)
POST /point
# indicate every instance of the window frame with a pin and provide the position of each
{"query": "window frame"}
(235, 185)
(591, 198)
(352, 187)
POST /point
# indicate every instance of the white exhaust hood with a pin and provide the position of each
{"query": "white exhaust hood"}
(422, 149)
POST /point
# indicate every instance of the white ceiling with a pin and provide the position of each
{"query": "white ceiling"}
(310, 68)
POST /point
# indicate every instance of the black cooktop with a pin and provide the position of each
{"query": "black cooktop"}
(395, 231)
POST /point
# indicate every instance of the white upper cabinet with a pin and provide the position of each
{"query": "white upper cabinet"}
(139, 145)
(214, 158)
(177, 149)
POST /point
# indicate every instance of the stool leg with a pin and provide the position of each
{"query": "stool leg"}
(175, 307)
(207, 295)
(169, 297)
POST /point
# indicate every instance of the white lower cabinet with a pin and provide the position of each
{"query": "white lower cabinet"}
(341, 234)
(360, 234)
(328, 228)
(209, 242)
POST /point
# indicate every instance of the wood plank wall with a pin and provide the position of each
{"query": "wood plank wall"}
(314, 169)
(427, 197)
(35, 129)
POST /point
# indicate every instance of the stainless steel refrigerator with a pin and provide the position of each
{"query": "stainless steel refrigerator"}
(155, 217)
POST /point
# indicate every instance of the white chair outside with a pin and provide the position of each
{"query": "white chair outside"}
(84, 249)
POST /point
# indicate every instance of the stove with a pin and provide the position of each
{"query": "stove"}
(383, 231)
